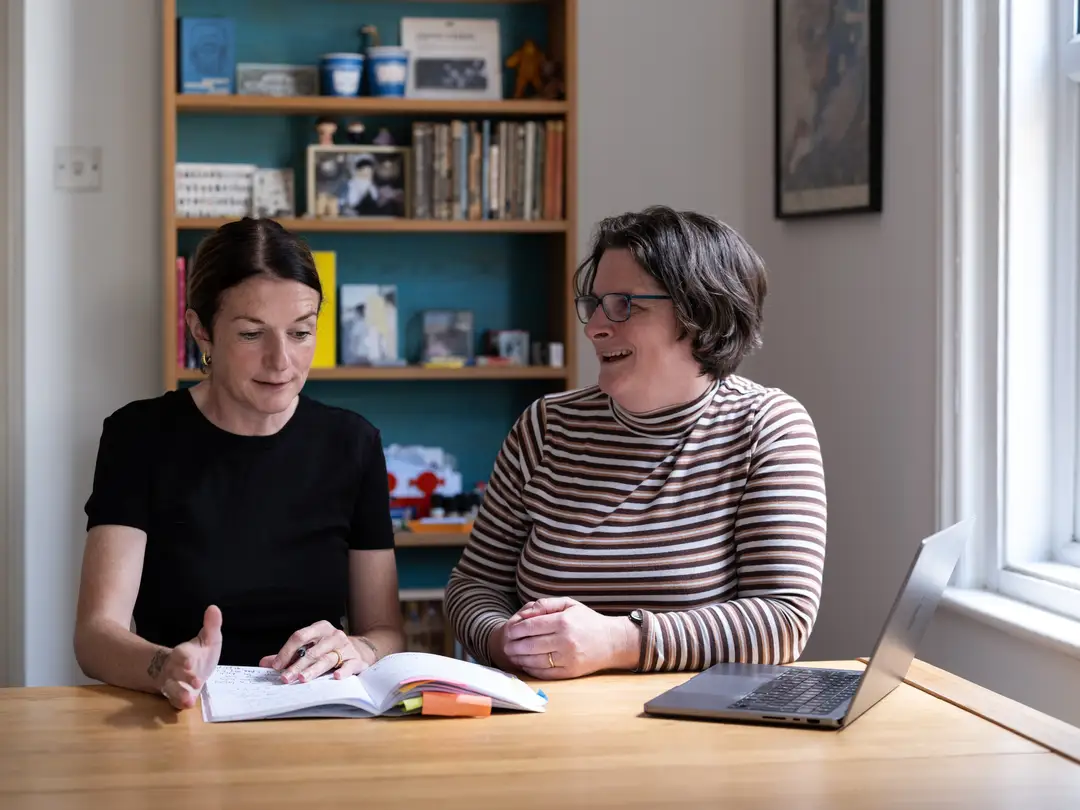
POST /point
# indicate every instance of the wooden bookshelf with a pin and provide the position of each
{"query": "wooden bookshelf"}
(346, 225)
(563, 325)
(363, 105)
(416, 373)
(430, 539)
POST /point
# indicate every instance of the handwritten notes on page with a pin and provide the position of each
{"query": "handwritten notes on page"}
(253, 693)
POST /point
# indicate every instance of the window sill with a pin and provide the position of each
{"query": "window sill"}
(1017, 618)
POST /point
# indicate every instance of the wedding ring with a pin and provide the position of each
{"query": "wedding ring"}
(340, 660)
(551, 661)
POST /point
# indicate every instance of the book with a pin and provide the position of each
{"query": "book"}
(326, 323)
(397, 685)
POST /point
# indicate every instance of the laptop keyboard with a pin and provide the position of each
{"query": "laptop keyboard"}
(802, 691)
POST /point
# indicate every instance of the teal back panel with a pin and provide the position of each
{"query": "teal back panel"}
(300, 31)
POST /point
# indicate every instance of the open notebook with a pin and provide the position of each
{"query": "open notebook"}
(399, 684)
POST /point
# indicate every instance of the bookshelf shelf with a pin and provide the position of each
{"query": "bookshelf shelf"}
(430, 539)
(417, 373)
(363, 105)
(347, 225)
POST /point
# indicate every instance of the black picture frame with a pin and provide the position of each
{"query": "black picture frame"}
(816, 175)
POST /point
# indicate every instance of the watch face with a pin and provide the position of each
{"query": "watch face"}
(636, 616)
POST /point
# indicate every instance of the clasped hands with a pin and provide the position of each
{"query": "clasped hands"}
(308, 653)
(562, 638)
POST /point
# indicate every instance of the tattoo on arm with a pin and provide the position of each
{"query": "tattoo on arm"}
(157, 662)
(370, 644)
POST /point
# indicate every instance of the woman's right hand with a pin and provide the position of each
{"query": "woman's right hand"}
(181, 673)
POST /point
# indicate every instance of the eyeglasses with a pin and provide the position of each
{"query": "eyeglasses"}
(616, 305)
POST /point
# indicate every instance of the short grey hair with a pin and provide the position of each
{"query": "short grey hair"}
(716, 280)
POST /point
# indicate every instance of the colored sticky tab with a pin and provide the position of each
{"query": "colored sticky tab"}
(412, 704)
(448, 704)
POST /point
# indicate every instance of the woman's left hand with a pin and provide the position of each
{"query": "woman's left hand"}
(562, 638)
(315, 650)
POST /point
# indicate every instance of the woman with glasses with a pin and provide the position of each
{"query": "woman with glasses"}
(671, 516)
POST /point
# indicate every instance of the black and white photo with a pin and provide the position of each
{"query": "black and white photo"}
(357, 181)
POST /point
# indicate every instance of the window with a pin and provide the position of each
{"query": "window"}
(1010, 446)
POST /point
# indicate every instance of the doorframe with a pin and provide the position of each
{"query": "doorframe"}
(12, 365)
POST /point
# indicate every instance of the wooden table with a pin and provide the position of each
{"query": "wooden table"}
(936, 742)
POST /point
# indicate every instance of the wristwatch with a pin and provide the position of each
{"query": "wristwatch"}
(637, 617)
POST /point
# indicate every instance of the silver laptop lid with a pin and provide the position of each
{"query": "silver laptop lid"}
(929, 574)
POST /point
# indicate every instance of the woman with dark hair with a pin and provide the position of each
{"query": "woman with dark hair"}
(670, 517)
(239, 503)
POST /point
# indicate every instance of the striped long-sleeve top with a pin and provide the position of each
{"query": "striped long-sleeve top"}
(710, 517)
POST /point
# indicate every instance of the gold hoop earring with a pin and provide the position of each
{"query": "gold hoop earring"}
(206, 360)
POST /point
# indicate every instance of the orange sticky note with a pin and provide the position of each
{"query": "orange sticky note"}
(448, 704)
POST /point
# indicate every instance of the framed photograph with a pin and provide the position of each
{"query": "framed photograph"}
(357, 181)
(448, 335)
(828, 107)
(273, 193)
(452, 58)
(368, 323)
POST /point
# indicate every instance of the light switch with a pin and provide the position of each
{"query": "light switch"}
(78, 168)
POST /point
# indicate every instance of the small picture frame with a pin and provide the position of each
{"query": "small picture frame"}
(448, 335)
(273, 193)
(358, 181)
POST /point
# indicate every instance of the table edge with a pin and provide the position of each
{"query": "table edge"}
(1033, 725)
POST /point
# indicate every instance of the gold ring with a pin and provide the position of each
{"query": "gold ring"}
(340, 660)
(551, 661)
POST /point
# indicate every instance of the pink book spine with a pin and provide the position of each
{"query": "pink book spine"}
(181, 299)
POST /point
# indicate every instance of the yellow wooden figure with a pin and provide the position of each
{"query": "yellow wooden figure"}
(528, 60)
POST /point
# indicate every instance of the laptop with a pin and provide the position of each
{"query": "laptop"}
(826, 698)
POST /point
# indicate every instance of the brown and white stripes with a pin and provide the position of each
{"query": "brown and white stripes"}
(710, 517)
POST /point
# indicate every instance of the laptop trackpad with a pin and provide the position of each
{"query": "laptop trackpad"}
(713, 690)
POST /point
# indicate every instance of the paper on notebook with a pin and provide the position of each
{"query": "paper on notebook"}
(255, 693)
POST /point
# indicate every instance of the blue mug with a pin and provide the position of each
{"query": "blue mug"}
(339, 74)
(388, 69)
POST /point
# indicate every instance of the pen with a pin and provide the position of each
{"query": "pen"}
(300, 653)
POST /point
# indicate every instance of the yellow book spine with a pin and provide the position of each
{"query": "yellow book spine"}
(326, 326)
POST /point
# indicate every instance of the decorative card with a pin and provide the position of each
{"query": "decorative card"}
(452, 58)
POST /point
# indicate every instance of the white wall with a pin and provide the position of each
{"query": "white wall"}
(92, 282)
(851, 330)
(660, 101)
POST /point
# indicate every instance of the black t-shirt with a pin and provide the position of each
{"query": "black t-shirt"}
(261, 526)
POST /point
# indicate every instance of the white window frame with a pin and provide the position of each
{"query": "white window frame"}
(1010, 156)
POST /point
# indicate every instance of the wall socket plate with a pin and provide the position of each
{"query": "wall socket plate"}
(77, 168)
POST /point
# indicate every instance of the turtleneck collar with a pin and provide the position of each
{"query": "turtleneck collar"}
(671, 421)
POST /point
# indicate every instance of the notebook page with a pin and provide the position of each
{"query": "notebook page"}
(245, 693)
(384, 677)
